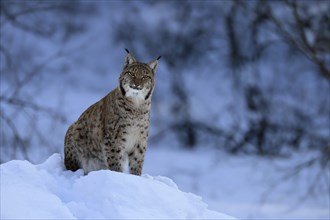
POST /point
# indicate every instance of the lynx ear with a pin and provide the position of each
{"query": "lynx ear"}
(153, 64)
(129, 59)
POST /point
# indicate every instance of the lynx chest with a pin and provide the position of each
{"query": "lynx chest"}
(135, 134)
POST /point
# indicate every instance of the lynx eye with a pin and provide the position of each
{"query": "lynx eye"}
(146, 77)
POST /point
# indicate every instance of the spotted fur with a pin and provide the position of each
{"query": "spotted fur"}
(112, 133)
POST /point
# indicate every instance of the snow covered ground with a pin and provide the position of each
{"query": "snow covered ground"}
(246, 187)
(48, 191)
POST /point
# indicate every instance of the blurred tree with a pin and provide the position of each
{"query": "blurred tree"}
(276, 30)
(265, 24)
(259, 46)
(254, 36)
(23, 63)
(181, 50)
(306, 27)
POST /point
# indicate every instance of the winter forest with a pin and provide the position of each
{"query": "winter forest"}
(240, 111)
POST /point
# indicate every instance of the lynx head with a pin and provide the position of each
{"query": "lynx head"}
(137, 79)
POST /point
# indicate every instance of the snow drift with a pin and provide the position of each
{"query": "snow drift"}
(48, 191)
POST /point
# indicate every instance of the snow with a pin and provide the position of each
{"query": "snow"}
(247, 187)
(48, 191)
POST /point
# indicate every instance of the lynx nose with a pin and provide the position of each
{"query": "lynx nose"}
(134, 86)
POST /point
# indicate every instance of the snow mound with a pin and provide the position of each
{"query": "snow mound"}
(48, 191)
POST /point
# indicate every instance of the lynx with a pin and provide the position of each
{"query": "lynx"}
(112, 133)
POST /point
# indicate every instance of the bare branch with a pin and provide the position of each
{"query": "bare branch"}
(25, 104)
(18, 140)
(300, 42)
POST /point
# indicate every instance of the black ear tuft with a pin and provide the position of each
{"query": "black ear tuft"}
(127, 50)
(159, 57)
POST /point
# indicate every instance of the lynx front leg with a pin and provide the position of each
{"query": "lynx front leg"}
(136, 159)
(114, 157)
